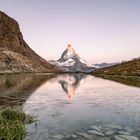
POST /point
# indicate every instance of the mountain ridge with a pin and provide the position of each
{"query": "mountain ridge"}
(103, 65)
(128, 68)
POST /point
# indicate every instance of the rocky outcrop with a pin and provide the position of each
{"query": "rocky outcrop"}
(15, 55)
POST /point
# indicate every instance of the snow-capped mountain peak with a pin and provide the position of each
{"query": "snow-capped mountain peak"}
(71, 62)
(69, 53)
(70, 49)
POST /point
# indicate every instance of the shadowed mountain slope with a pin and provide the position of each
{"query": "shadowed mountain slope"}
(15, 54)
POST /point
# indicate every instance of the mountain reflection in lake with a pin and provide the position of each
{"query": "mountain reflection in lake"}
(71, 103)
(69, 83)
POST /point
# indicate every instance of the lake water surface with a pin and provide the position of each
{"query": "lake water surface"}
(67, 104)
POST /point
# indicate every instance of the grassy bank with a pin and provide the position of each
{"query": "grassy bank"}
(12, 123)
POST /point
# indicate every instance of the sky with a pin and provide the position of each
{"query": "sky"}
(99, 30)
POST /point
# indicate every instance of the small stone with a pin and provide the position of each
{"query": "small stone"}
(127, 137)
(74, 136)
(118, 138)
(113, 126)
(59, 137)
(96, 132)
(85, 135)
(95, 128)
(109, 132)
(128, 129)
(123, 132)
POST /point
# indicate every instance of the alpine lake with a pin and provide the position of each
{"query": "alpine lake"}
(75, 106)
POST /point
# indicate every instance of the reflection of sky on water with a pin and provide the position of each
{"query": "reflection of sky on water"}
(92, 99)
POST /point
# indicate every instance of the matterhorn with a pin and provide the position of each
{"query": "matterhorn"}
(71, 62)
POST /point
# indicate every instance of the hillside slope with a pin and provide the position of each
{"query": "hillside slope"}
(130, 68)
(15, 55)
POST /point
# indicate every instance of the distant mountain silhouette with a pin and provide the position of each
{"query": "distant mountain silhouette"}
(15, 55)
(103, 65)
(71, 62)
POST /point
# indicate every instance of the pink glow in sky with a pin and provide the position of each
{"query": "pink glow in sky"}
(99, 30)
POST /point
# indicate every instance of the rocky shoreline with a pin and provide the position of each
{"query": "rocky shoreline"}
(98, 132)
